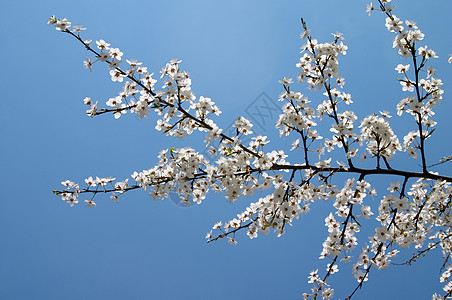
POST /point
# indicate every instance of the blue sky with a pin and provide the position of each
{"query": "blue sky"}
(142, 249)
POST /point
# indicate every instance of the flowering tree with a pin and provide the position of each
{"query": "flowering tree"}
(415, 211)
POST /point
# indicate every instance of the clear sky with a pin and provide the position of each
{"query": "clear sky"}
(142, 249)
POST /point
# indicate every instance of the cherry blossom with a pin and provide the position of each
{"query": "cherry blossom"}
(414, 211)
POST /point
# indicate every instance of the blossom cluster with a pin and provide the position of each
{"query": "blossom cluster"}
(415, 212)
